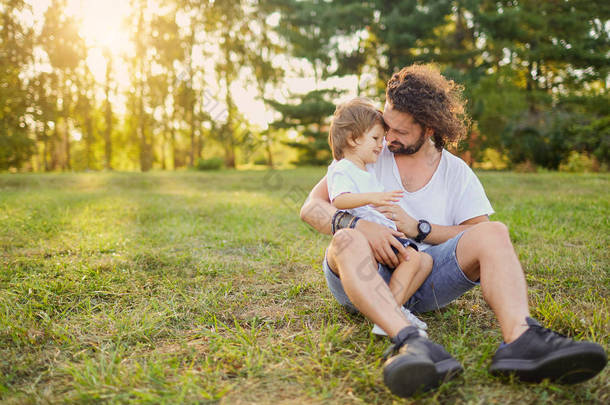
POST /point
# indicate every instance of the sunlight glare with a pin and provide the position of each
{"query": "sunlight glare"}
(102, 22)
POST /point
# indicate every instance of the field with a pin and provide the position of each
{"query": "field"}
(206, 287)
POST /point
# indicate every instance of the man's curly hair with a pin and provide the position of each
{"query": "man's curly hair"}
(434, 102)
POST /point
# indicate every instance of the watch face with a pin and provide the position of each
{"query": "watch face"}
(424, 227)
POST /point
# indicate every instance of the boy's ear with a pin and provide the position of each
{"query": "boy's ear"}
(352, 142)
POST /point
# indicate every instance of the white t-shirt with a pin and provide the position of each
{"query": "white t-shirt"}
(453, 195)
(344, 176)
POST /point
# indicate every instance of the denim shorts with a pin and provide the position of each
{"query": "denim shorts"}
(445, 283)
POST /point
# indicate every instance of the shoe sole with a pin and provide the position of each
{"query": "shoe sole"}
(405, 376)
(567, 366)
(380, 332)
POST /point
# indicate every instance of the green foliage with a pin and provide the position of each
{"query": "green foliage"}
(16, 146)
(496, 102)
(492, 160)
(214, 163)
(15, 149)
(535, 75)
(593, 138)
(308, 113)
(577, 163)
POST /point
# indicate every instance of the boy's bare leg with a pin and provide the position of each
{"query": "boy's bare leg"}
(410, 275)
(350, 255)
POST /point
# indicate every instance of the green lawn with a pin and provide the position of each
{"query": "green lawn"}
(207, 287)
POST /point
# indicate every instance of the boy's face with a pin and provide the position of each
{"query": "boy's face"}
(369, 146)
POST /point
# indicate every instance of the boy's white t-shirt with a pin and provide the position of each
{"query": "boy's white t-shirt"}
(344, 176)
(453, 195)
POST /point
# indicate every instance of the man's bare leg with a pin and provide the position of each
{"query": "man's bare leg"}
(350, 254)
(485, 252)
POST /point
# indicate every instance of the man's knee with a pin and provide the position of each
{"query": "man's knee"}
(482, 240)
(349, 251)
(488, 235)
(346, 240)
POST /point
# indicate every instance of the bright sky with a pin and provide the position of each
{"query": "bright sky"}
(102, 26)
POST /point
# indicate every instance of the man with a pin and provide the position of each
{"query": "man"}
(446, 211)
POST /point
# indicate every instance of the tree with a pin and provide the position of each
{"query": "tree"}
(311, 30)
(169, 50)
(308, 114)
(263, 50)
(65, 50)
(228, 22)
(108, 116)
(44, 110)
(138, 105)
(16, 147)
(83, 109)
(554, 52)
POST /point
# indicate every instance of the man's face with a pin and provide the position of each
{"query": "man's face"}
(404, 136)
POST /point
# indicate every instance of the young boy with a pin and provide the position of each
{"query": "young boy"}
(356, 139)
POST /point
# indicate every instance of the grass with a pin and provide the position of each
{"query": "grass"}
(206, 287)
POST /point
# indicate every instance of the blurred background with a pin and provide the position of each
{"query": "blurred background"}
(173, 84)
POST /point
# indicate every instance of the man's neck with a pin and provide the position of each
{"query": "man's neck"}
(417, 169)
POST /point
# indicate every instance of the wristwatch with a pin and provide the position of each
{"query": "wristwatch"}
(423, 230)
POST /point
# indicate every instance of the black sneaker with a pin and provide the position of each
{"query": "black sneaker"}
(415, 363)
(540, 353)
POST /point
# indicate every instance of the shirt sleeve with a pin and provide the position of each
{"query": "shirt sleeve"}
(472, 202)
(340, 182)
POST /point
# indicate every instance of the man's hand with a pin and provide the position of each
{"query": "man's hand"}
(404, 222)
(381, 239)
(385, 198)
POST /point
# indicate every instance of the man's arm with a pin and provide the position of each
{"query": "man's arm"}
(439, 233)
(318, 212)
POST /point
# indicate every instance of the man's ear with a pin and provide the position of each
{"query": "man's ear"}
(429, 132)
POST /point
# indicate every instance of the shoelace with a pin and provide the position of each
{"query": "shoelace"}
(402, 338)
(548, 333)
(392, 349)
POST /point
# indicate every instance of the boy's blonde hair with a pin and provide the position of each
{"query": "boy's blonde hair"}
(350, 121)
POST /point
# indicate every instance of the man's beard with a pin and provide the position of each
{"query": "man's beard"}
(400, 149)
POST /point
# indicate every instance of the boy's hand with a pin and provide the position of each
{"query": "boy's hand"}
(386, 198)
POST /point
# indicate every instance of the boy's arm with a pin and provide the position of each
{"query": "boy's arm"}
(346, 201)
(354, 200)
(317, 212)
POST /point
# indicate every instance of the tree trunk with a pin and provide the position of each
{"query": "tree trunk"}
(145, 155)
(191, 99)
(55, 146)
(163, 144)
(66, 128)
(172, 134)
(269, 154)
(199, 141)
(108, 131)
(89, 134)
(45, 147)
(67, 165)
